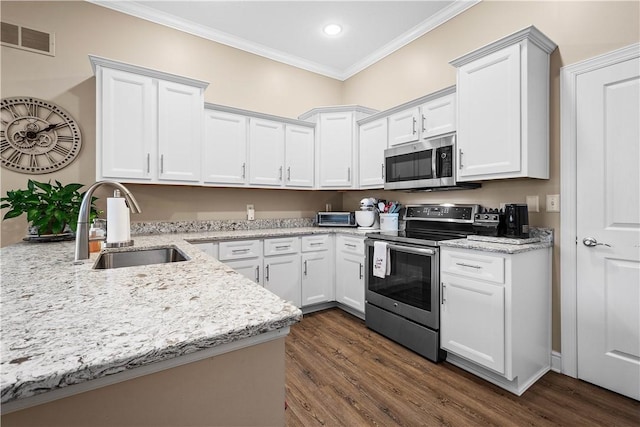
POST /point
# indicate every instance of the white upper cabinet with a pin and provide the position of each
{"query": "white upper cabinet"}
(266, 152)
(503, 108)
(298, 149)
(336, 159)
(224, 148)
(148, 124)
(403, 126)
(180, 110)
(373, 142)
(435, 117)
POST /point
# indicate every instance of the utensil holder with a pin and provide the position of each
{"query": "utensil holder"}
(388, 222)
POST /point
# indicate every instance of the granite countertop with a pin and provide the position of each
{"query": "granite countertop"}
(541, 238)
(64, 324)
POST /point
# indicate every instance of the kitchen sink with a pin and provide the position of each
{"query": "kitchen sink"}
(139, 257)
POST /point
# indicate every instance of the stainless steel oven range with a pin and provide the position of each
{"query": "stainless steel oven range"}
(405, 304)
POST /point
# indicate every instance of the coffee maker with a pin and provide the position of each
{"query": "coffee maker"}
(516, 218)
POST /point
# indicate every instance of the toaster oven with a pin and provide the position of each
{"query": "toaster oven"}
(336, 219)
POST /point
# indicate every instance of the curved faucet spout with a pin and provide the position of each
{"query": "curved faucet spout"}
(82, 231)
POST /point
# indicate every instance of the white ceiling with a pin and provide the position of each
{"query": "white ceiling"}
(291, 31)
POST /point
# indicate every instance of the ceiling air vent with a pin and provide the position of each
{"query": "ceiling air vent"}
(27, 39)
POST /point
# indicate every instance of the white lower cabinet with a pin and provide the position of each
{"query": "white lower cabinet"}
(496, 314)
(350, 272)
(244, 256)
(317, 269)
(210, 248)
(282, 268)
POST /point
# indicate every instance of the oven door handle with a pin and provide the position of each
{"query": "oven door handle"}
(412, 250)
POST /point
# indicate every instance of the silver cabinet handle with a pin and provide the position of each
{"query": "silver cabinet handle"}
(591, 242)
(350, 245)
(239, 251)
(280, 174)
(278, 248)
(148, 162)
(382, 168)
(244, 169)
(349, 174)
(289, 173)
(443, 298)
(305, 268)
(414, 126)
(361, 268)
(161, 163)
(266, 273)
(424, 119)
(316, 243)
(459, 158)
(461, 264)
(257, 274)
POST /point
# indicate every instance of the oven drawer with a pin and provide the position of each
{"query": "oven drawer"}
(315, 243)
(281, 246)
(473, 265)
(239, 249)
(350, 245)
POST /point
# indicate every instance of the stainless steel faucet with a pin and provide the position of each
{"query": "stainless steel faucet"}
(82, 231)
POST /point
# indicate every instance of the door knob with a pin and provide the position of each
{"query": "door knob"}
(590, 241)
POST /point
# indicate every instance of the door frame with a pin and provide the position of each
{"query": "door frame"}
(568, 187)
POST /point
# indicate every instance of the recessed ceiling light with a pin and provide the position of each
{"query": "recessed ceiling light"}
(332, 29)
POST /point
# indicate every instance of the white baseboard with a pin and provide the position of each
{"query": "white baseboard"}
(556, 362)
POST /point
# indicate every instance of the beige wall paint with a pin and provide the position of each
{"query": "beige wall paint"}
(236, 78)
(581, 29)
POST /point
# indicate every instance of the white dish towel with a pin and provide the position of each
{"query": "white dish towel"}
(381, 260)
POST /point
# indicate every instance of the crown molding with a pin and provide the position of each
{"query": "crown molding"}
(152, 15)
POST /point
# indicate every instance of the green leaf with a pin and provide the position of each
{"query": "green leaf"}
(46, 187)
(12, 214)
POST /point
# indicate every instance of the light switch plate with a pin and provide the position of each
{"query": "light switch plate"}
(553, 203)
(533, 203)
(251, 213)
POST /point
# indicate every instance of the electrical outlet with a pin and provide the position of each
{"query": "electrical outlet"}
(251, 213)
(553, 203)
(533, 203)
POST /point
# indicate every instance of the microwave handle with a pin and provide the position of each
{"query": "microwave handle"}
(411, 250)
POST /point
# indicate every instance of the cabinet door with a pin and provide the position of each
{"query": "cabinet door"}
(249, 268)
(350, 280)
(180, 112)
(317, 283)
(472, 322)
(403, 126)
(282, 277)
(489, 115)
(126, 126)
(224, 148)
(266, 152)
(299, 156)
(438, 116)
(373, 142)
(210, 248)
(335, 149)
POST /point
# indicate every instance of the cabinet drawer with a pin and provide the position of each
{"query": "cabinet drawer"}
(315, 243)
(281, 246)
(239, 249)
(473, 265)
(350, 245)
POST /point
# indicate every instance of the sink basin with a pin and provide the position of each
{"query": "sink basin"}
(139, 257)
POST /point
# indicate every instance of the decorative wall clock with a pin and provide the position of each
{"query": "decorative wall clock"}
(36, 136)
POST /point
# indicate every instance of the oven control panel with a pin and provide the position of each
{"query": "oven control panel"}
(449, 213)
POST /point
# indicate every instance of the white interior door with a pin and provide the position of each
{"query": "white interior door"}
(608, 227)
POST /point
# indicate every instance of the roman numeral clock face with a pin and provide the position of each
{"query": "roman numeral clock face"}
(36, 136)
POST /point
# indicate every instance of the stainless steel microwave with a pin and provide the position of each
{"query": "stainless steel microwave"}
(421, 165)
(336, 219)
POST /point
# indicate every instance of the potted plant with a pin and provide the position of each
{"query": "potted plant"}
(52, 209)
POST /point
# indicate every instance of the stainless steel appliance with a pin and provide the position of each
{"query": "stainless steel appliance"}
(405, 305)
(429, 164)
(336, 219)
(516, 221)
(489, 222)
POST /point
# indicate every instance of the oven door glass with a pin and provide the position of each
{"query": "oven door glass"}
(410, 166)
(412, 289)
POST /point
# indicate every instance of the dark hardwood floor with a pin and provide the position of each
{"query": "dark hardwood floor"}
(339, 373)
